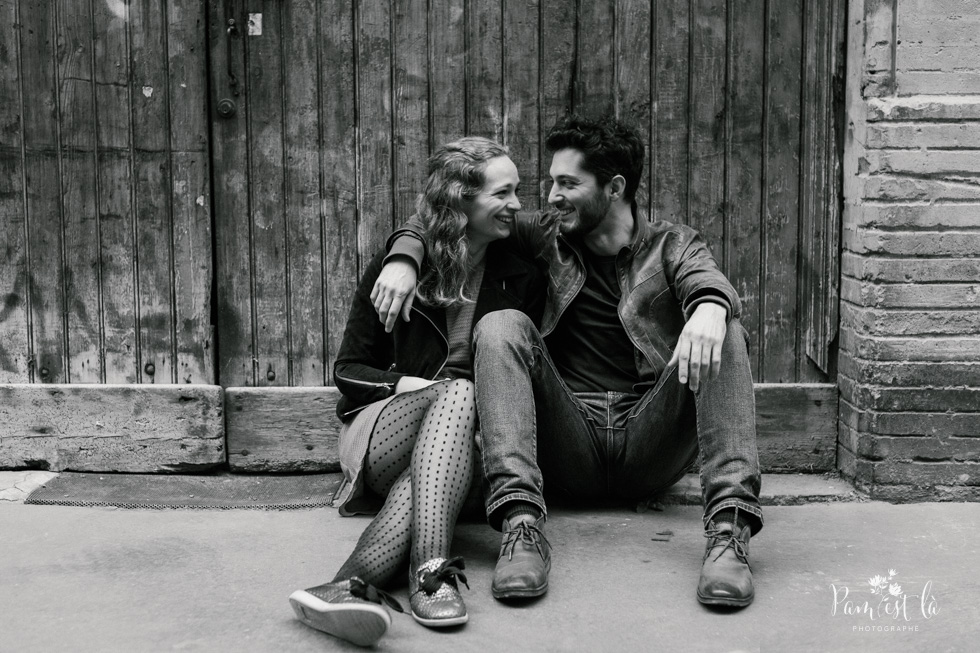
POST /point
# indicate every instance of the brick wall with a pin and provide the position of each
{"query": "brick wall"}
(909, 368)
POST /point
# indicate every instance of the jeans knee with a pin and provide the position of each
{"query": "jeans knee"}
(504, 327)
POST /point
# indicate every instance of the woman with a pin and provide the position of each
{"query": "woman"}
(408, 402)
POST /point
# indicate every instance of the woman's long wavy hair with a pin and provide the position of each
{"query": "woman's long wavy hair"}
(456, 176)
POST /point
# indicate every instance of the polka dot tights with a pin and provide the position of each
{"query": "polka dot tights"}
(421, 457)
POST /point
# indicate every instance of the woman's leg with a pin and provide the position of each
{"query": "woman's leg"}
(443, 417)
(442, 470)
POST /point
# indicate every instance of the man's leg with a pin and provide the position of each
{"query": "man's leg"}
(532, 427)
(660, 442)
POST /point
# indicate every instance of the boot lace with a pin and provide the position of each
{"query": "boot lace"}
(526, 533)
(724, 539)
(369, 592)
(447, 572)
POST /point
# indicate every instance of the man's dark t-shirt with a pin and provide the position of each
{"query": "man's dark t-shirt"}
(589, 346)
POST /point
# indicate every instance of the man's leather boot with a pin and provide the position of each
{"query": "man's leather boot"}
(726, 578)
(524, 562)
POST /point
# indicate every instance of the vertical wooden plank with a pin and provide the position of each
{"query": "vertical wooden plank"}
(15, 348)
(782, 191)
(819, 217)
(595, 81)
(813, 186)
(270, 257)
(521, 128)
(557, 66)
(672, 93)
(110, 49)
(233, 271)
(302, 193)
(374, 111)
(152, 184)
(411, 105)
(338, 169)
(76, 94)
(707, 177)
(447, 71)
(193, 264)
(484, 73)
(633, 93)
(45, 230)
(746, 64)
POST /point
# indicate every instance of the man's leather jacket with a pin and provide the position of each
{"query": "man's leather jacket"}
(664, 273)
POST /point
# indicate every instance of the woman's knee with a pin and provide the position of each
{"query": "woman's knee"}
(464, 389)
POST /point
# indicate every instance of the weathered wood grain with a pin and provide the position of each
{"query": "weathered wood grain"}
(743, 188)
(115, 197)
(796, 426)
(820, 189)
(266, 170)
(595, 66)
(446, 30)
(782, 193)
(484, 76)
(45, 221)
(15, 348)
(375, 174)
(76, 102)
(410, 104)
(557, 75)
(233, 262)
(670, 157)
(521, 129)
(338, 129)
(153, 193)
(633, 45)
(193, 264)
(296, 429)
(111, 428)
(282, 429)
(302, 194)
(708, 124)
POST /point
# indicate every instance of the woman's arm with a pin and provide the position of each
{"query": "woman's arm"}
(533, 238)
(363, 368)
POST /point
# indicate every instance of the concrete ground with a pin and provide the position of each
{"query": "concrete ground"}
(103, 579)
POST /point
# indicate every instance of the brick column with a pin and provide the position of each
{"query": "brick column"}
(909, 368)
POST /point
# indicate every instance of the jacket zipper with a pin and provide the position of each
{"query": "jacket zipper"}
(370, 384)
(444, 339)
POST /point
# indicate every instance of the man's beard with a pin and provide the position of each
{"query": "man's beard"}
(589, 216)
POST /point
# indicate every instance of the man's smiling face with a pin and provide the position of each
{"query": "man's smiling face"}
(575, 193)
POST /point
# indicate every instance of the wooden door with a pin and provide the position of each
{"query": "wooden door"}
(105, 222)
(337, 103)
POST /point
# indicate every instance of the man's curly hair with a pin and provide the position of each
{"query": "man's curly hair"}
(609, 146)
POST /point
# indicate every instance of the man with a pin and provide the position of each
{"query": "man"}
(590, 406)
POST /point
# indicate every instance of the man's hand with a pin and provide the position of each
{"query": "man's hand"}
(412, 383)
(394, 291)
(698, 352)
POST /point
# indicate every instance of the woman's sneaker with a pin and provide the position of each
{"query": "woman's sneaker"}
(348, 609)
(434, 593)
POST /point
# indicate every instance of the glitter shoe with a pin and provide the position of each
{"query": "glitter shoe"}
(434, 593)
(349, 609)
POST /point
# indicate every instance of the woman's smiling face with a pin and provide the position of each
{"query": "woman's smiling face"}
(491, 213)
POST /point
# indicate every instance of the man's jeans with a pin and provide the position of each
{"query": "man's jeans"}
(609, 444)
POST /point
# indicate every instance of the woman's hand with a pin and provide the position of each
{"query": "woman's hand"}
(412, 383)
(394, 291)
